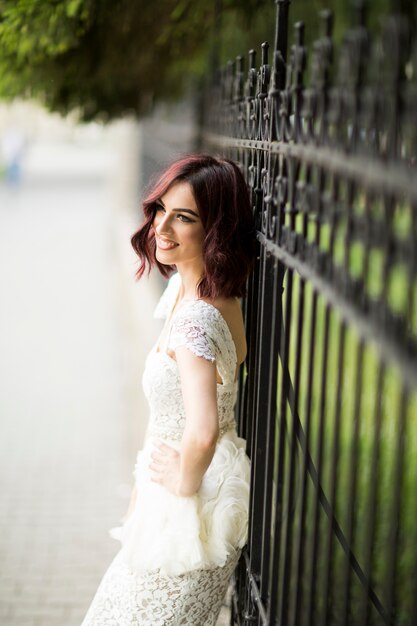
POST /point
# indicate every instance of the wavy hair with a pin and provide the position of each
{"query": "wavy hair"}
(221, 195)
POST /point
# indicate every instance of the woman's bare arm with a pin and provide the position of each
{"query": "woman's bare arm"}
(182, 472)
(199, 391)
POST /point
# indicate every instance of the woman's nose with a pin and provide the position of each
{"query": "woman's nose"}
(161, 223)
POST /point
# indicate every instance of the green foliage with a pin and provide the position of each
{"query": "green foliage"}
(31, 29)
(100, 57)
(108, 57)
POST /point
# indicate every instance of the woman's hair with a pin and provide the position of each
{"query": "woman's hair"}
(222, 198)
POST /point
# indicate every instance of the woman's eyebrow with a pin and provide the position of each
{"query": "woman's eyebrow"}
(187, 211)
(190, 211)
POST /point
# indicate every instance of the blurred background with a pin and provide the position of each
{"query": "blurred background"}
(95, 98)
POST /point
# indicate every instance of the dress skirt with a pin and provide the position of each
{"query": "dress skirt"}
(155, 599)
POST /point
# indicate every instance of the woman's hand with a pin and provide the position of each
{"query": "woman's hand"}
(165, 467)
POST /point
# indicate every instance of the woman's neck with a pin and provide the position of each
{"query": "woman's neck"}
(190, 278)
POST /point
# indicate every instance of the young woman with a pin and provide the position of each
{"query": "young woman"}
(187, 521)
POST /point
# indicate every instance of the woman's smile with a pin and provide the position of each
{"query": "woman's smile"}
(164, 243)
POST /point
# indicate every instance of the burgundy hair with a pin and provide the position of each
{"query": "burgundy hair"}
(222, 198)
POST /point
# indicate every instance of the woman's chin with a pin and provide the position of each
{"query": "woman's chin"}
(163, 257)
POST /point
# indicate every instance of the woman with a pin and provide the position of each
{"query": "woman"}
(187, 521)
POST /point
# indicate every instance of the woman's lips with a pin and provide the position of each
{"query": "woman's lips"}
(165, 244)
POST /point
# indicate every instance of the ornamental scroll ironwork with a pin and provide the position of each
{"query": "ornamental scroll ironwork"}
(327, 138)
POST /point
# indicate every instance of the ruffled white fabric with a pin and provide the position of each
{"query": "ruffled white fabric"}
(175, 534)
(181, 534)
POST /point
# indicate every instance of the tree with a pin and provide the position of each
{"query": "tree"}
(108, 57)
(105, 57)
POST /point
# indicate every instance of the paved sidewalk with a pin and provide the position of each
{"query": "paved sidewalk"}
(66, 407)
(71, 413)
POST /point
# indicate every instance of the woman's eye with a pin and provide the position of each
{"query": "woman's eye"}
(184, 218)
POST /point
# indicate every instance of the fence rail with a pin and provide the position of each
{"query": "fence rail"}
(328, 400)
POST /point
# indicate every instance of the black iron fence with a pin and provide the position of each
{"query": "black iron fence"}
(329, 407)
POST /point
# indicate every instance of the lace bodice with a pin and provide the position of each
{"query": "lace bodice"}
(200, 327)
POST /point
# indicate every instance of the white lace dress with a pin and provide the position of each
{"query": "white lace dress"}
(178, 553)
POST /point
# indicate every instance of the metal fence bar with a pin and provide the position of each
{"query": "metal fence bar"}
(387, 177)
(393, 548)
(373, 494)
(353, 485)
(311, 601)
(285, 537)
(327, 593)
(301, 539)
(278, 498)
(268, 372)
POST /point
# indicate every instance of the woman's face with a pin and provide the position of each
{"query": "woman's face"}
(179, 232)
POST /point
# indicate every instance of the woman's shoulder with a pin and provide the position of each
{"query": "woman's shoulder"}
(226, 305)
(229, 312)
(215, 323)
(229, 308)
(212, 309)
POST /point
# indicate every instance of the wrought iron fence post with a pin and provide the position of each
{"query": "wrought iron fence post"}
(281, 30)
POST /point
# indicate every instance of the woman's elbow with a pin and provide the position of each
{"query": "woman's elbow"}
(206, 440)
(209, 442)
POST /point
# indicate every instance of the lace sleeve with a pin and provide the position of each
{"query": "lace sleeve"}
(195, 335)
